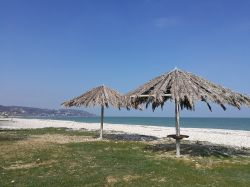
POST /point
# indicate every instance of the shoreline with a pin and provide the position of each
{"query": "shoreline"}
(242, 124)
(235, 138)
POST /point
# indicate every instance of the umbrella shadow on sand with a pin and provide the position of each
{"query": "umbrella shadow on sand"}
(201, 150)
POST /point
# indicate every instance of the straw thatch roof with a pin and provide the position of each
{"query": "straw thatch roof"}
(185, 88)
(99, 96)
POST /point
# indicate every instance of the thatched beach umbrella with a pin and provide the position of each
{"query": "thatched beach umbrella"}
(184, 89)
(100, 96)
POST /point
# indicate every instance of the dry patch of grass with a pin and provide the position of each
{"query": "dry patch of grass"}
(111, 179)
(62, 139)
(29, 165)
(43, 141)
(159, 179)
(17, 150)
(128, 178)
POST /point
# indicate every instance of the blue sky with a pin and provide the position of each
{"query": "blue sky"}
(54, 50)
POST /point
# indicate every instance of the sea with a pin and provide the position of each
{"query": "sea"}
(188, 122)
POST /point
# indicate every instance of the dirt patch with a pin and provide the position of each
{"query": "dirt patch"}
(161, 179)
(63, 139)
(129, 178)
(30, 165)
(111, 179)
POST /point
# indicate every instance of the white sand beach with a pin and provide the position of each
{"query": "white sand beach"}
(236, 138)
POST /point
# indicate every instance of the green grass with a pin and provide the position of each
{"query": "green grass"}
(25, 161)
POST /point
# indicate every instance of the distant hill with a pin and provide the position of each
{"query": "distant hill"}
(38, 112)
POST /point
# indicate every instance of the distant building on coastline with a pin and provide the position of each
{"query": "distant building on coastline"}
(4, 115)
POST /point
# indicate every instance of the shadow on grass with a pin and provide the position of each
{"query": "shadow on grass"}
(128, 137)
(12, 137)
(6, 120)
(203, 150)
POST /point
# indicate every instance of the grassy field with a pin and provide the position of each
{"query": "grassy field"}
(60, 157)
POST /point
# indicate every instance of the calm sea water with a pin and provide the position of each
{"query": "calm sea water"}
(215, 123)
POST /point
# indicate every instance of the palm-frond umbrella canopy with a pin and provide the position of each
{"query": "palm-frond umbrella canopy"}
(99, 96)
(184, 89)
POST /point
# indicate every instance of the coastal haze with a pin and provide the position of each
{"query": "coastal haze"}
(20, 111)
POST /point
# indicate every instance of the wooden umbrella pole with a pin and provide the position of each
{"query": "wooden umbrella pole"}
(101, 128)
(177, 125)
